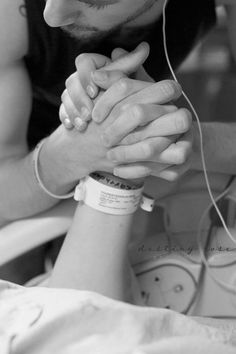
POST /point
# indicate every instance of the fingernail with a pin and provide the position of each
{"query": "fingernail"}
(80, 124)
(67, 123)
(85, 114)
(96, 117)
(91, 91)
(116, 172)
(106, 140)
(100, 75)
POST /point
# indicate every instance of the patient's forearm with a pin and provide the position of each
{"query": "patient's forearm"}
(94, 254)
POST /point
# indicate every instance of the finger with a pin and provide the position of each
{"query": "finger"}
(178, 121)
(140, 74)
(121, 89)
(79, 97)
(130, 119)
(128, 91)
(106, 79)
(145, 169)
(146, 150)
(173, 173)
(64, 118)
(138, 170)
(131, 61)
(118, 53)
(178, 153)
(87, 63)
(70, 112)
(125, 63)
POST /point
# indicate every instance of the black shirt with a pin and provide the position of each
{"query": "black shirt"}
(52, 52)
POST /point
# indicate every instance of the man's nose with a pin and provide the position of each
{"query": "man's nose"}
(58, 13)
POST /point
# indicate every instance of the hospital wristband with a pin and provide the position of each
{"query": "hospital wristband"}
(37, 175)
(109, 195)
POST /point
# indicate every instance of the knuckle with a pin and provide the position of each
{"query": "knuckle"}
(123, 155)
(147, 150)
(123, 85)
(137, 112)
(124, 107)
(120, 155)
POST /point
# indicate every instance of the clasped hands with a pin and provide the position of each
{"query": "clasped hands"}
(131, 123)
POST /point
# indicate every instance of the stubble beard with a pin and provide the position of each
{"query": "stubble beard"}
(84, 34)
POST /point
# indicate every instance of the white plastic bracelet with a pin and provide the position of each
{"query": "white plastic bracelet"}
(37, 176)
(99, 196)
(111, 200)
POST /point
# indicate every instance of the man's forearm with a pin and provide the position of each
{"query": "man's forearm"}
(20, 194)
(219, 145)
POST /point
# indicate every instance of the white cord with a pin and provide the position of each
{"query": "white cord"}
(37, 175)
(222, 284)
(199, 127)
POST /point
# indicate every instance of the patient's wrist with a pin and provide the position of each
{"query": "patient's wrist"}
(109, 194)
(112, 195)
(117, 182)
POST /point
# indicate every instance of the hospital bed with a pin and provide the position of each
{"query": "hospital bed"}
(175, 279)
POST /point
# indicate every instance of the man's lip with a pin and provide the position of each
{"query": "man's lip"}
(90, 29)
(80, 28)
(100, 2)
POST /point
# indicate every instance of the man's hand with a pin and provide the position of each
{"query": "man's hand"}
(82, 89)
(138, 137)
(143, 133)
(147, 136)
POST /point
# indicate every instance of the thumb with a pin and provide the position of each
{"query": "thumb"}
(117, 53)
(128, 63)
(87, 63)
(140, 74)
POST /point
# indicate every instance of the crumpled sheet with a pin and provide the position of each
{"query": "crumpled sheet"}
(54, 321)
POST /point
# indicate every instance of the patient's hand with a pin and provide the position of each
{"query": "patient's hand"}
(83, 88)
(146, 135)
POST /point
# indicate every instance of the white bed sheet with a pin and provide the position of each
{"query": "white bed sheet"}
(46, 321)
